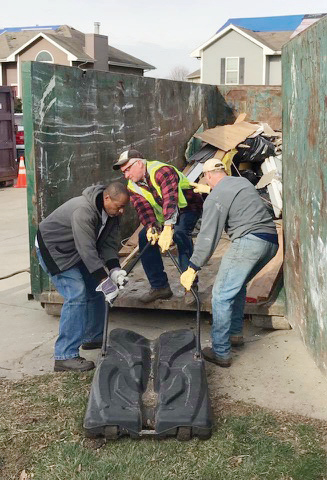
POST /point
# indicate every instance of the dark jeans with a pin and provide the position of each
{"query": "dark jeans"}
(151, 259)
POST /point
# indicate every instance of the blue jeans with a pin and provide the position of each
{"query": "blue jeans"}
(151, 259)
(244, 259)
(82, 314)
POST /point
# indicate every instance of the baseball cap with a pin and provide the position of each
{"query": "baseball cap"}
(125, 157)
(213, 164)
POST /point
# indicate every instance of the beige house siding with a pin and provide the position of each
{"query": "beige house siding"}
(9, 73)
(274, 70)
(233, 45)
(31, 52)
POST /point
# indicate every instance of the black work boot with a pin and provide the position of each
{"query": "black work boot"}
(77, 364)
(91, 345)
(212, 357)
(156, 293)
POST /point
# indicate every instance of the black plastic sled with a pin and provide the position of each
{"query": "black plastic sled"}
(155, 388)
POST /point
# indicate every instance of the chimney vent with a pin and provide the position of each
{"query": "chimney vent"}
(97, 28)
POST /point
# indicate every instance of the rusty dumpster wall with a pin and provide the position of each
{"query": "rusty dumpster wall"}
(261, 103)
(304, 69)
(76, 123)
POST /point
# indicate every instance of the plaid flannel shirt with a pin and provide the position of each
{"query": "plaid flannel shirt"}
(167, 178)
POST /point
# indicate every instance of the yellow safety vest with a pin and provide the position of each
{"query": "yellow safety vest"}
(152, 167)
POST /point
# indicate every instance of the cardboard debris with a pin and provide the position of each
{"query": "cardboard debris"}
(227, 137)
(263, 284)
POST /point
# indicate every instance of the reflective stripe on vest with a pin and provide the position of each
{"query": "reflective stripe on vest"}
(152, 167)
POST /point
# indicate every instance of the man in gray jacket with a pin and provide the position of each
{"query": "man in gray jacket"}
(77, 245)
(234, 205)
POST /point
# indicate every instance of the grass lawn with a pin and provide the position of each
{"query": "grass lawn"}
(41, 437)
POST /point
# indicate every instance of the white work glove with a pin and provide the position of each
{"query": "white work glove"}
(109, 289)
(119, 277)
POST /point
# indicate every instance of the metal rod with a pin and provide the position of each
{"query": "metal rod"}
(128, 270)
(198, 308)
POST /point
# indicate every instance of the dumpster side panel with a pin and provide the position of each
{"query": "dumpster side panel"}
(260, 103)
(304, 68)
(77, 123)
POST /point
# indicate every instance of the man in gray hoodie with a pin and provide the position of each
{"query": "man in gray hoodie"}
(234, 205)
(77, 245)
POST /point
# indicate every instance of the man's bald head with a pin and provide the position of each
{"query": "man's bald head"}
(115, 198)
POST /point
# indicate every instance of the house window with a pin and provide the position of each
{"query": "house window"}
(44, 57)
(232, 70)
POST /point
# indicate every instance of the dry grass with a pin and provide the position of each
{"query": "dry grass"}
(41, 435)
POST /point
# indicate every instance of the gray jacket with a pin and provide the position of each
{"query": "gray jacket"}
(80, 230)
(234, 205)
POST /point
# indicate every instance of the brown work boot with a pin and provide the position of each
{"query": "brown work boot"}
(211, 356)
(156, 293)
(77, 364)
(236, 340)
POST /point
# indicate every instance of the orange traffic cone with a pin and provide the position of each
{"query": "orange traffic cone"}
(21, 180)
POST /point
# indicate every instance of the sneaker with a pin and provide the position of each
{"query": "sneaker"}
(212, 357)
(156, 293)
(91, 345)
(236, 340)
(77, 364)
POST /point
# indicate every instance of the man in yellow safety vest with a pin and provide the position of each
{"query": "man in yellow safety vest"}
(168, 208)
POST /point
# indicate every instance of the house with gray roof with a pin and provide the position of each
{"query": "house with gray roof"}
(62, 45)
(247, 51)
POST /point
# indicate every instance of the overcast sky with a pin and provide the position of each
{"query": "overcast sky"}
(160, 32)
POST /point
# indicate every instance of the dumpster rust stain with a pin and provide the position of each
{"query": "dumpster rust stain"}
(313, 116)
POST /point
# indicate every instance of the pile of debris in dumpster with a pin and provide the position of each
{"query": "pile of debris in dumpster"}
(251, 150)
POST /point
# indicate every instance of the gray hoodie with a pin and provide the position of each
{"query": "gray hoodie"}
(234, 205)
(79, 230)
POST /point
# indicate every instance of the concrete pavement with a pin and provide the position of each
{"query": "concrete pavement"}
(273, 370)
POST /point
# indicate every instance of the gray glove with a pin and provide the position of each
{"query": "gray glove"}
(119, 277)
(109, 289)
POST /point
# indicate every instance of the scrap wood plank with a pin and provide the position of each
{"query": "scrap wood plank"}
(131, 242)
(240, 118)
(263, 283)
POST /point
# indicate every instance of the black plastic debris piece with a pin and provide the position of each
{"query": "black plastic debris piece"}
(260, 148)
(181, 404)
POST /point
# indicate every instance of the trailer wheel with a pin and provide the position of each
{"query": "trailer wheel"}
(205, 434)
(184, 434)
(111, 432)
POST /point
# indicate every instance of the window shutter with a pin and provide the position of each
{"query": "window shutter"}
(241, 72)
(222, 71)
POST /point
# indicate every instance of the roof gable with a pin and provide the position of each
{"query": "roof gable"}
(247, 34)
(67, 38)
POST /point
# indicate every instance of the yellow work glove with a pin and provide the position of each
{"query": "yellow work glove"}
(188, 277)
(166, 238)
(200, 188)
(152, 235)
